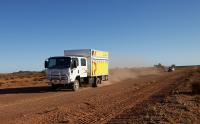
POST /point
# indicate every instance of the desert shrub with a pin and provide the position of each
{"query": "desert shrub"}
(40, 79)
(35, 79)
(12, 81)
(43, 73)
(6, 78)
(21, 77)
(11, 78)
(198, 71)
(26, 81)
(29, 76)
(196, 88)
(159, 65)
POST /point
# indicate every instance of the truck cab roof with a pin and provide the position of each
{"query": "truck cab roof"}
(67, 57)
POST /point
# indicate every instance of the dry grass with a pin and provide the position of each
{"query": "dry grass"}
(22, 79)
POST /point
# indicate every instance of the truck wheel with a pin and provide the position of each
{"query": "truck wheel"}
(96, 82)
(75, 86)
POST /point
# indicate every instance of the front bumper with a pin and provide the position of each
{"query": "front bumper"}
(59, 79)
(58, 82)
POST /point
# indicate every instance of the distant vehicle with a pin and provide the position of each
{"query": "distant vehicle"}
(171, 68)
(77, 67)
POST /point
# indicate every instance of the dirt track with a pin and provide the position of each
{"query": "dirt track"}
(89, 105)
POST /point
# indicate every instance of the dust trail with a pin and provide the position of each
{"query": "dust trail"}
(121, 74)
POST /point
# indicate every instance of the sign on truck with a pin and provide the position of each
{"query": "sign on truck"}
(77, 67)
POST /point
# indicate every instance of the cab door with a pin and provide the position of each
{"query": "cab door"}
(74, 68)
(83, 67)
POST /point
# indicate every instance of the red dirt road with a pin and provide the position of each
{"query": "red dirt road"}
(35, 105)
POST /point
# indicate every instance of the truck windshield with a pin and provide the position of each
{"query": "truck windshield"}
(59, 62)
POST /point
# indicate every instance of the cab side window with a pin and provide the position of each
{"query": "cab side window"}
(75, 60)
(83, 62)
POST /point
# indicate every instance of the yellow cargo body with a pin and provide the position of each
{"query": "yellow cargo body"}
(99, 67)
(100, 63)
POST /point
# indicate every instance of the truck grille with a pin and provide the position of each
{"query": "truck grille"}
(58, 76)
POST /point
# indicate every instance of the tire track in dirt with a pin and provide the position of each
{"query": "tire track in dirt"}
(88, 105)
(142, 95)
(102, 107)
(127, 116)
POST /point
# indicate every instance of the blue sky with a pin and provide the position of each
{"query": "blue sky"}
(135, 32)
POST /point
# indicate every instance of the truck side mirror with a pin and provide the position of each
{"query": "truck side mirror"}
(46, 64)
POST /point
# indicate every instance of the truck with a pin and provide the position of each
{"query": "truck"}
(78, 67)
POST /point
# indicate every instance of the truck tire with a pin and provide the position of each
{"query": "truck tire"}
(75, 86)
(96, 82)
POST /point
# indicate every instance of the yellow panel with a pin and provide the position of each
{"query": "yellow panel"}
(99, 67)
(100, 54)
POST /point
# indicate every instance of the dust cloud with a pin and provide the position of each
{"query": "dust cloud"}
(120, 74)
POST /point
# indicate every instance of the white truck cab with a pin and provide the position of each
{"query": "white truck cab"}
(77, 67)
